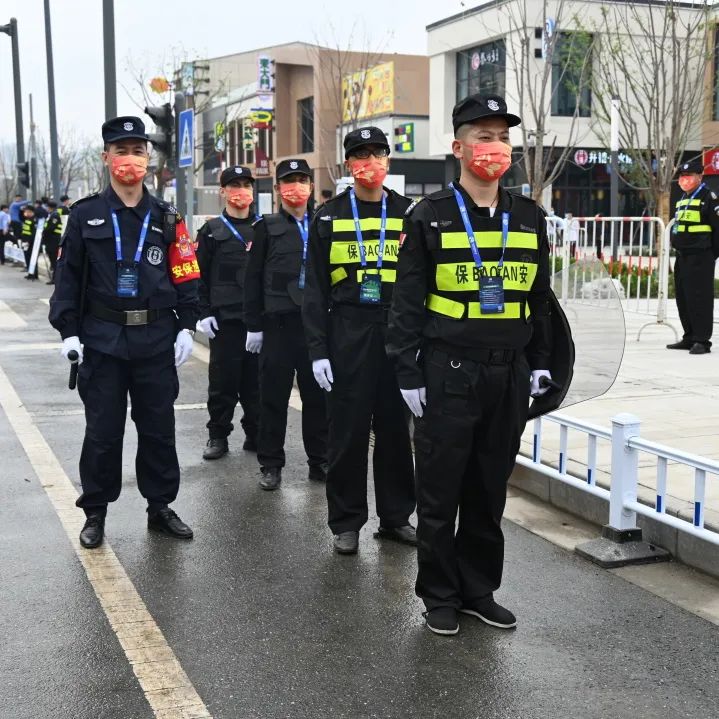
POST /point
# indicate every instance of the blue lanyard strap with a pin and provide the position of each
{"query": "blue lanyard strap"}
(118, 239)
(358, 231)
(694, 194)
(304, 229)
(470, 232)
(233, 229)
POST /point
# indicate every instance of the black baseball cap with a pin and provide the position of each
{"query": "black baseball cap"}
(236, 172)
(64, 198)
(476, 107)
(292, 167)
(364, 136)
(693, 167)
(126, 127)
(52, 203)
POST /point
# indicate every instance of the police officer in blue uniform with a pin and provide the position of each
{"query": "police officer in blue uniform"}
(126, 262)
(274, 288)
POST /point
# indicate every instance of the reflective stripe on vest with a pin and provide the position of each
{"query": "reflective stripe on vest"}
(472, 310)
(461, 276)
(460, 241)
(366, 225)
(338, 275)
(345, 252)
(694, 228)
(689, 216)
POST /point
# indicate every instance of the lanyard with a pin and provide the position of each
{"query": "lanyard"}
(684, 207)
(233, 229)
(470, 232)
(304, 229)
(358, 231)
(118, 239)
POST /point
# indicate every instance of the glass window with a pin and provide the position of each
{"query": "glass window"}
(306, 116)
(570, 74)
(481, 69)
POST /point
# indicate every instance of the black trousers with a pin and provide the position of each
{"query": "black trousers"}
(51, 246)
(694, 285)
(104, 383)
(465, 448)
(365, 396)
(233, 378)
(28, 256)
(284, 352)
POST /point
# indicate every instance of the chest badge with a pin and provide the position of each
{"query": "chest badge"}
(96, 221)
(154, 255)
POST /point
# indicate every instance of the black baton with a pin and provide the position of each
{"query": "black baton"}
(546, 382)
(73, 357)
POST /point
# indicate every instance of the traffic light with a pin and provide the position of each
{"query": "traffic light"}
(165, 123)
(23, 173)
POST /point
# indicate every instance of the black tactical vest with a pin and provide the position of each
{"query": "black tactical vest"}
(283, 264)
(227, 272)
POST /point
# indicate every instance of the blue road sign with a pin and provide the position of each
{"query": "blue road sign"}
(185, 138)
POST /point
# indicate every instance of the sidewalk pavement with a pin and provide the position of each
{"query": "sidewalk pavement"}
(676, 397)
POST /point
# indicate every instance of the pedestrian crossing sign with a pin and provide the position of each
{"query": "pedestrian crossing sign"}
(186, 138)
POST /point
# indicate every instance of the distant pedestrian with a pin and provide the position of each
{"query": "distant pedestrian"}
(15, 216)
(51, 234)
(4, 231)
(695, 238)
(27, 236)
(40, 212)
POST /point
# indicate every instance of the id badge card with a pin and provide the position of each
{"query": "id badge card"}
(491, 295)
(371, 289)
(301, 281)
(127, 280)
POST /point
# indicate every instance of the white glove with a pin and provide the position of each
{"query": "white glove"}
(536, 390)
(322, 371)
(183, 347)
(69, 344)
(254, 342)
(207, 325)
(414, 399)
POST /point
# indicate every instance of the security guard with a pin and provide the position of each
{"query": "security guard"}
(472, 298)
(695, 238)
(274, 285)
(51, 234)
(27, 236)
(126, 288)
(223, 245)
(354, 239)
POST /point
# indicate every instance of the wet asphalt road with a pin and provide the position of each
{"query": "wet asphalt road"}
(269, 624)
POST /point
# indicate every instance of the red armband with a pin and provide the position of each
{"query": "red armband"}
(183, 262)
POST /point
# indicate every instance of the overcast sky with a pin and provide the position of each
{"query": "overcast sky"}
(148, 30)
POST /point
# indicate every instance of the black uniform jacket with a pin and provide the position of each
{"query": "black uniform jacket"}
(413, 325)
(89, 234)
(273, 269)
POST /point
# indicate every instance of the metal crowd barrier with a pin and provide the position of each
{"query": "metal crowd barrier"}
(626, 445)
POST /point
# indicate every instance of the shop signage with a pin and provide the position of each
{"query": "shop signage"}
(711, 162)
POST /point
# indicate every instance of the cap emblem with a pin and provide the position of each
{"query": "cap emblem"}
(365, 134)
(238, 170)
(128, 126)
(293, 165)
(493, 105)
(686, 167)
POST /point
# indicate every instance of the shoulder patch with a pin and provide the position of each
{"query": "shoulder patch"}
(325, 218)
(713, 195)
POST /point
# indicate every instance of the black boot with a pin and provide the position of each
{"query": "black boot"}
(93, 532)
(216, 447)
(271, 478)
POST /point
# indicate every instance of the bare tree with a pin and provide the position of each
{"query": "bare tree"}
(343, 94)
(565, 67)
(8, 172)
(653, 57)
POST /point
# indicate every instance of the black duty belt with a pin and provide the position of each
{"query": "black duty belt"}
(128, 318)
(364, 313)
(444, 353)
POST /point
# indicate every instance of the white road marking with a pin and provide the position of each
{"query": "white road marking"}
(164, 683)
(9, 320)
(31, 347)
(73, 412)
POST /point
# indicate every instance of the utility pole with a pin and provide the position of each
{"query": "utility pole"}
(614, 178)
(33, 155)
(11, 30)
(108, 35)
(54, 154)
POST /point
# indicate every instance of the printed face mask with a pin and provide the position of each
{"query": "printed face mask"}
(129, 169)
(689, 183)
(295, 194)
(371, 172)
(490, 160)
(239, 197)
